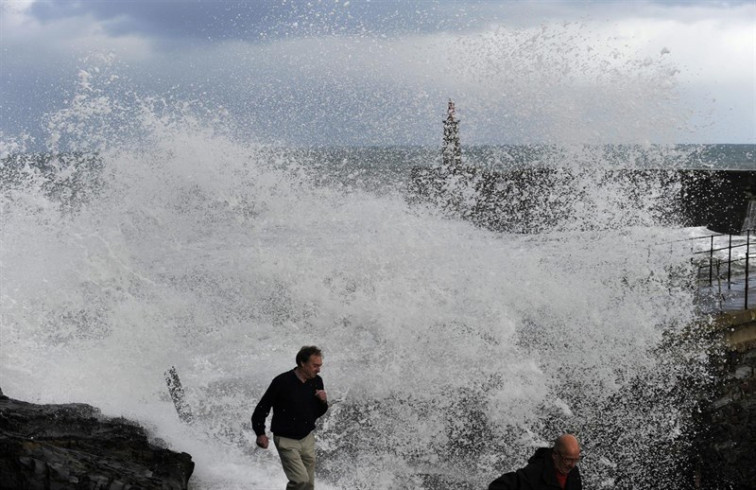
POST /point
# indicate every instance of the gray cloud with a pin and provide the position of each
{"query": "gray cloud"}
(166, 19)
(380, 72)
(254, 20)
(262, 19)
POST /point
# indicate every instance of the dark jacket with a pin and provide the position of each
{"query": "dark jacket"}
(539, 474)
(295, 406)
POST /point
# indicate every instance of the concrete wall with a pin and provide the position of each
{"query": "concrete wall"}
(717, 199)
(539, 199)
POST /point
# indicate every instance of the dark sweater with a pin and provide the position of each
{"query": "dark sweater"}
(539, 474)
(295, 406)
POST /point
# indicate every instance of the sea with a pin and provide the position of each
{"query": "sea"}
(451, 351)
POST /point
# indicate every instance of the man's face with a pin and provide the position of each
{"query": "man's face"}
(311, 367)
(566, 459)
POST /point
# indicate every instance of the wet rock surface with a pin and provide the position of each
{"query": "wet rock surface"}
(74, 446)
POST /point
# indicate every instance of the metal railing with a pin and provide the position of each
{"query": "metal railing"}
(733, 277)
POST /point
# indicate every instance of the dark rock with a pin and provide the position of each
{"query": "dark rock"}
(50, 447)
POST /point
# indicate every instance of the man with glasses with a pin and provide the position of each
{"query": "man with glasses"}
(548, 469)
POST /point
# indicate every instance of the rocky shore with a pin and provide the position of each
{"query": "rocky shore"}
(74, 446)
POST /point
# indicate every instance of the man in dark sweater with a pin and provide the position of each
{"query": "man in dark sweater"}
(548, 469)
(297, 398)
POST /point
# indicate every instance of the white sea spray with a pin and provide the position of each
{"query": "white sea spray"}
(450, 351)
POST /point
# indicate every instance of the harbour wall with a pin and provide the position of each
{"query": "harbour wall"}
(717, 199)
(539, 199)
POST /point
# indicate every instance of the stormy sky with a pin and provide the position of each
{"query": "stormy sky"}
(379, 72)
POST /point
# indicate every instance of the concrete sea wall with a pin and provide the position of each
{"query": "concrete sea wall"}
(532, 200)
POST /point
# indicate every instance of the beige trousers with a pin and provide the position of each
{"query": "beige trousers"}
(298, 460)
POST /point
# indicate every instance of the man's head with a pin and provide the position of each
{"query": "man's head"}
(309, 360)
(566, 453)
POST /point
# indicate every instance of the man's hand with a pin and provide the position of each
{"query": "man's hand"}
(262, 441)
(321, 395)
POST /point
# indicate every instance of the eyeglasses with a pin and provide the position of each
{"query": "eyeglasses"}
(569, 460)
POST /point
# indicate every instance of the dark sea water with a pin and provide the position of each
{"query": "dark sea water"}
(386, 169)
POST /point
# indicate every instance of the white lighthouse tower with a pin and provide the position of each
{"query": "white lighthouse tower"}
(451, 150)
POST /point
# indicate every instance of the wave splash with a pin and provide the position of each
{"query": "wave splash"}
(450, 351)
